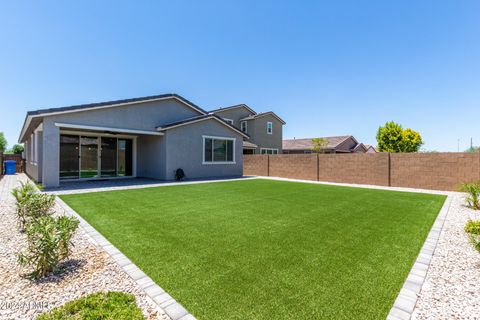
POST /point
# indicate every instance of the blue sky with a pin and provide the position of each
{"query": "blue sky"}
(327, 68)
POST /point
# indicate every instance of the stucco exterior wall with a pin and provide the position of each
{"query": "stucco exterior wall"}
(257, 129)
(141, 116)
(30, 167)
(51, 153)
(234, 114)
(33, 167)
(184, 149)
(151, 157)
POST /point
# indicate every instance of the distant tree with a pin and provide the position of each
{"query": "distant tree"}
(319, 145)
(3, 142)
(472, 149)
(393, 138)
(18, 149)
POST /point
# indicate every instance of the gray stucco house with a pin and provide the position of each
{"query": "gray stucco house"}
(265, 129)
(142, 137)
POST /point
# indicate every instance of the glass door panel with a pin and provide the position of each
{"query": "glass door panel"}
(88, 157)
(108, 156)
(124, 157)
(69, 161)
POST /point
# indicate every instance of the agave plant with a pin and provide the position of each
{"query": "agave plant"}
(473, 190)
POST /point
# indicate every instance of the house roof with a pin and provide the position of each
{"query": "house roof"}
(360, 145)
(249, 145)
(241, 105)
(196, 119)
(114, 103)
(306, 144)
(262, 114)
(81, 107)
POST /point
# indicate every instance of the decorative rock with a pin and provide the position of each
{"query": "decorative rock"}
(88, 270)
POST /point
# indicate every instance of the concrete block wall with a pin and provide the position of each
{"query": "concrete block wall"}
(255, 165)
(294, 166)
(354, 168)
(436, 171)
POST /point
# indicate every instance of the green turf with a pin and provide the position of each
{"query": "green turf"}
(263, 249)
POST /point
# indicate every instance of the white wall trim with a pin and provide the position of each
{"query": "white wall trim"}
(267, 149)
(203, 119)
(270, 124)
(204, 137)
(246, 126)
(99, 148)
(98, 128)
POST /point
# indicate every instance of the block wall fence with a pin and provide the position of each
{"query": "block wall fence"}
(20, 163)
(436, 171)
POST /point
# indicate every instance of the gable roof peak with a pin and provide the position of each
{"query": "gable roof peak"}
(240, 105)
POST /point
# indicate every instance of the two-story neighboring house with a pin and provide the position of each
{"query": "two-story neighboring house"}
(265, 129)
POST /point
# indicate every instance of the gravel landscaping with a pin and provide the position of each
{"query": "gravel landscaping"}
(88, 270)
(451, 288)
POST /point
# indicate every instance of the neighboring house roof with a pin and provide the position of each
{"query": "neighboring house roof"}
(106, 104)
(370, 147)
(249, 145)
(196, 119)
(306, 144)
(360, 146)
(241, 105)
(262, 114)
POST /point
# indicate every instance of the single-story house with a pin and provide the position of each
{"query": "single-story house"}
(142, 137)
(337, 144)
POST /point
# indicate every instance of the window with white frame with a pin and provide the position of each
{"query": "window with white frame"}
(27, 153)
(218, 150)
(243, 126)
(228, 121)
(268, 151)
(35, 147)
(32, 142)
(269, 127)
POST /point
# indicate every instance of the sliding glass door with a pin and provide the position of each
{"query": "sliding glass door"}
(69, 157)
(124, 157)
(88, 157)
(109, 157)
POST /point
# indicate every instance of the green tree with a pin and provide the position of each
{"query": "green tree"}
(3, 142)
(472, 149)
(319, 144)
(18, 149)
(393, 138)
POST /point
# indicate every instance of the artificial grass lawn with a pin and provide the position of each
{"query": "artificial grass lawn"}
(264, 249)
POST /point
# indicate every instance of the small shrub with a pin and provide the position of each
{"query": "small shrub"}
(103, 305)
(21, 195)
(475, 240)
(179, 174)
(473, 227)
(473, 190)
(39, 205)
(48, 243)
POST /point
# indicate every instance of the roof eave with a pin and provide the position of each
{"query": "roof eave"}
(213, 116)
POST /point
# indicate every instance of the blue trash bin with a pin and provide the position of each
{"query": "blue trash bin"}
(10, 166)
